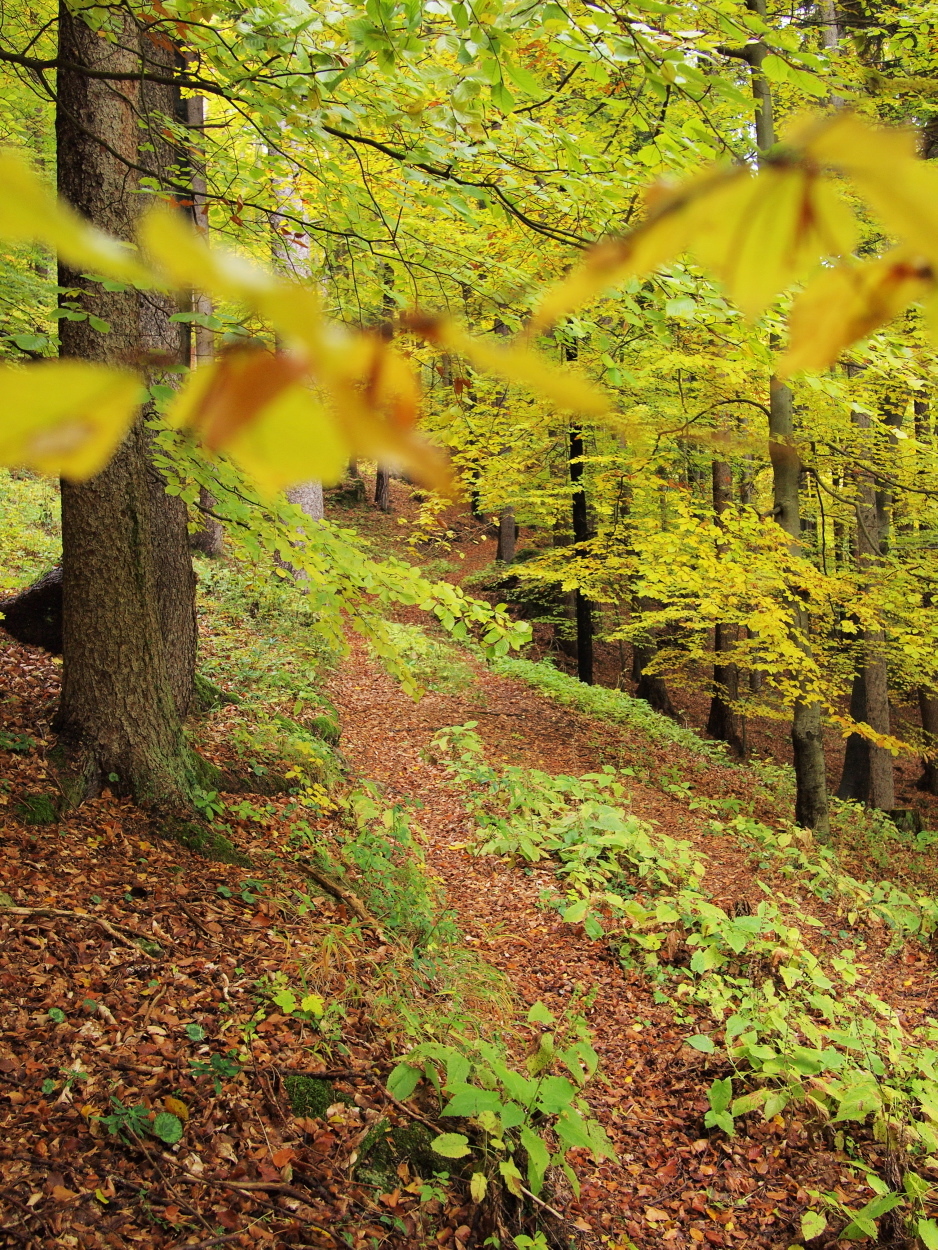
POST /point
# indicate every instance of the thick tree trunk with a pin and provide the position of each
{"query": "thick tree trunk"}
(507, 534)
(928, 706)
(128, 588)
(723, 722)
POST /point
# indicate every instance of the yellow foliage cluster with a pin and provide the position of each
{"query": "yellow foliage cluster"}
(330, 394)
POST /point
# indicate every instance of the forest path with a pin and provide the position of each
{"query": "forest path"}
(672, 1185)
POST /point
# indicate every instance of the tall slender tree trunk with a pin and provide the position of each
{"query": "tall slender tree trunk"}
(723, 722)
(811, 799)
(582, 607)
(867, 775)
(209, 537)
(129, 630)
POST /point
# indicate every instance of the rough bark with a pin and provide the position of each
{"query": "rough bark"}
(507, 536)
(128, 588)
(723, 722)
(383, 489)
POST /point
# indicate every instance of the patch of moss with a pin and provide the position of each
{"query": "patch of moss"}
(383, 1147)
(38, 809)
(309, 1095)
(205, 840)
(326, 729)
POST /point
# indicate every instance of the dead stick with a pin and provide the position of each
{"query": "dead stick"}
(331, 886)
(52, 912)
(541, 1203)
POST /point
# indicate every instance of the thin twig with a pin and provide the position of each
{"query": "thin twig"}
(541, 1203)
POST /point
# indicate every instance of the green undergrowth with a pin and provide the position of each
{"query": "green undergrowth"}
(435, 663)
(610, 705)
(796, 1027)
(30, 533)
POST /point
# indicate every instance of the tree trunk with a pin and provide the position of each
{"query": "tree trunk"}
(811, 801)
(867, 775)
(128, 590)
(382, 489)
(507, 534)
(928, 706)
(209, 537)
(583, 609)
(723, 723)
(650, 686)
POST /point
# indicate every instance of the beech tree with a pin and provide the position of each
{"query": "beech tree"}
(129, 630)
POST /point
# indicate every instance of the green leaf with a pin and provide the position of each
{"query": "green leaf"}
(313, 1004)
(403, 1080)
(195, 1032)
(286, 1001)
(470, 1100)
(813, 1224)
(720, 1094)
(56, 1015)
(538, 1158)
(167, 1127)
(928, 1234)
(700, 1041)
(451, 1145)
(555, 1094)
(540, 1015)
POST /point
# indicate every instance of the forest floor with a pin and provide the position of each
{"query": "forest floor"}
(194, 1053)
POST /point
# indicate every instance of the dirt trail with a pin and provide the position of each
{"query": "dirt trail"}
(673, 1185)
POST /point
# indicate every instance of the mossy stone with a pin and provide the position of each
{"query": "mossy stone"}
(384, 1147)
(309, 1095)
(326, 728)
(208, 697)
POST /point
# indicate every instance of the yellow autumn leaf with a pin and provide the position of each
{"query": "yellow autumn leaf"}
(664, 234)
(848, 302)
(180, 252)
(884, 166)
(29, 210)
(65, 418)
(176, 1107)
(763, 233)
(566, 386)
(258, 407)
